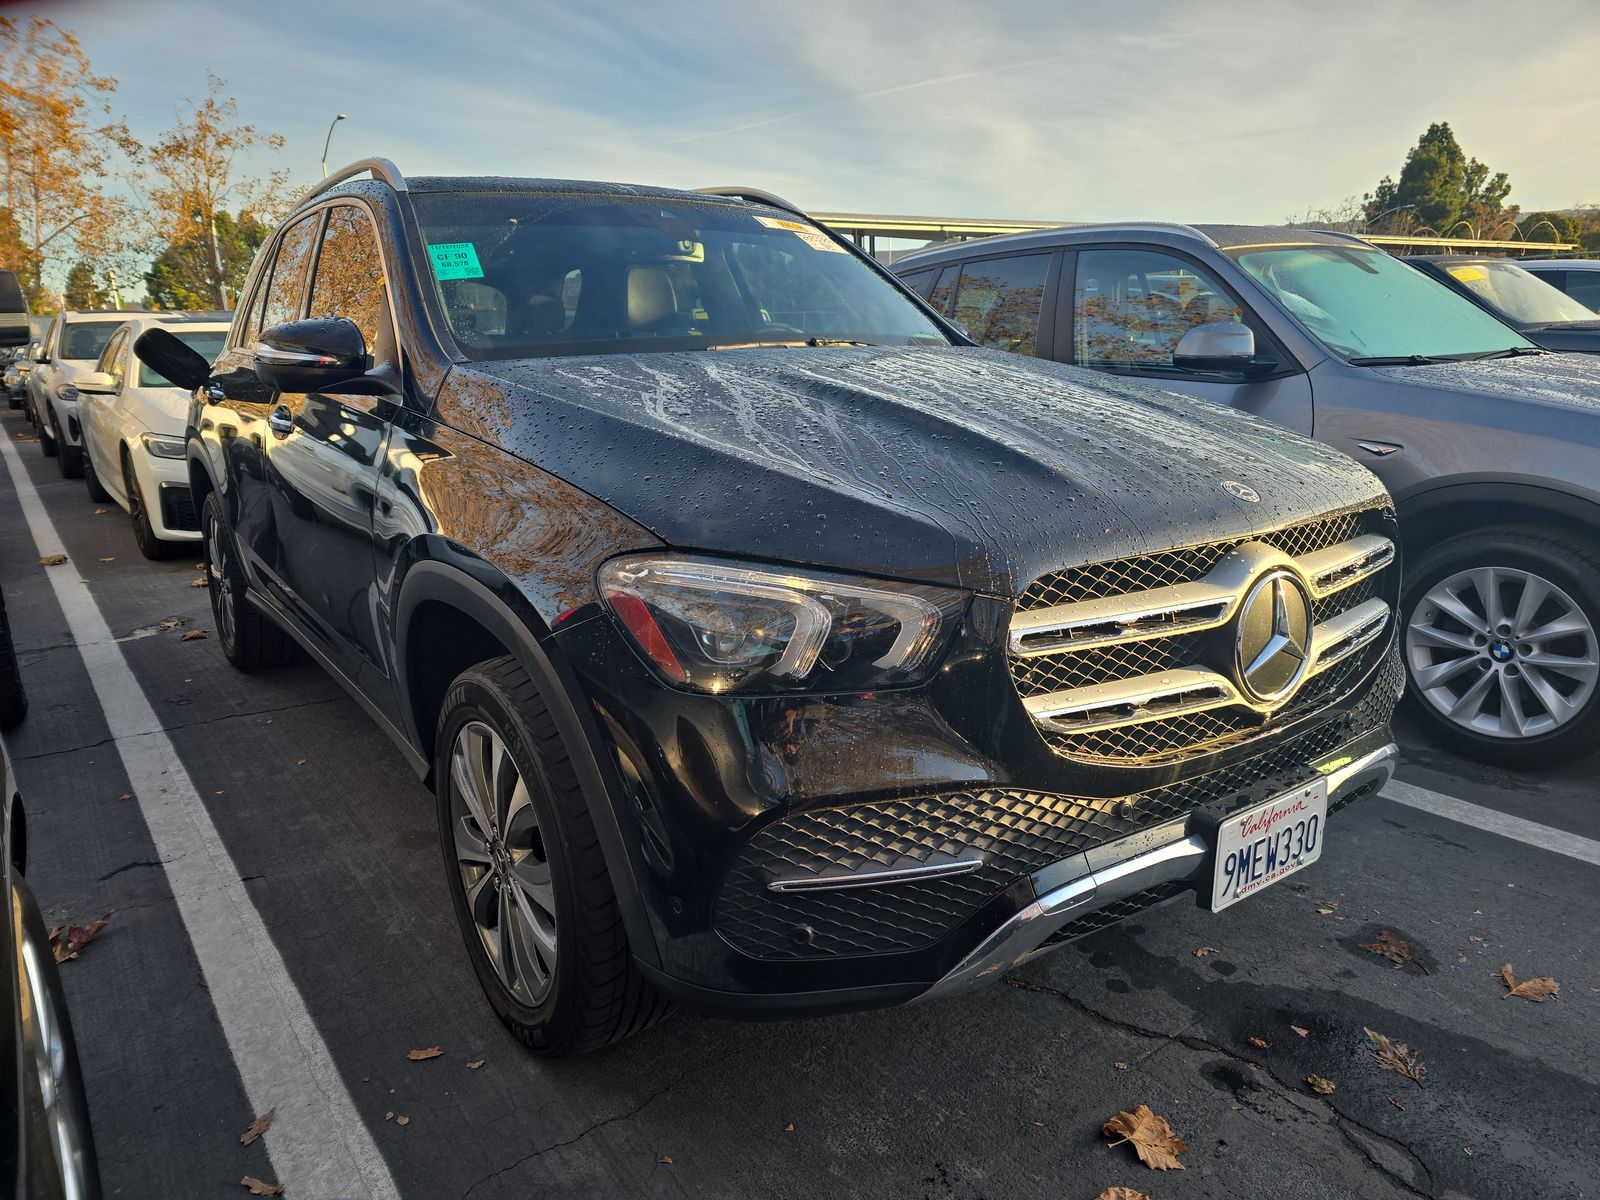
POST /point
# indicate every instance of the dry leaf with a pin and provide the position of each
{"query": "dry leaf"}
(1395, 950)
(1120, 1065)
(192, 635)
(1396, 1056)
(665, 1158)
(66, 942)
(259, 1126)
(258, 1187)
(1121, 1193)
(1319, 1085)
(99, 512)
(299, 762)
(52, 560)
(1301, 1030)
(198, 582)
(1203, 951)
(1259, 1043)
(125, 796)
(109, 558)
(1538, 990)
(200, 566)
(389, 1116)
(402, 1120)
(1153, 1140)
(789, 1128)
(421, 1055)
(170, 623)
(473, 1066)
(1397, 1104)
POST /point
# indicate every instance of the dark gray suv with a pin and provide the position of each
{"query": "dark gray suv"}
(1489, 445)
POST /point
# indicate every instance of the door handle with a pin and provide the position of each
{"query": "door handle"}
(280, 422)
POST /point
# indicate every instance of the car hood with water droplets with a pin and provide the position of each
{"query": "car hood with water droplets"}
(959, 466)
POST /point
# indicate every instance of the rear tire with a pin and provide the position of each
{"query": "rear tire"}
(91, 481)
(13, 697)
(70, 460)
(1475, 677)
(250, 640)
(47, 441)
(571, 985)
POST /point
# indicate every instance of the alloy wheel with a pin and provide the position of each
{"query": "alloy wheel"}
(502, 863)
(217, 580)
(1503, 652)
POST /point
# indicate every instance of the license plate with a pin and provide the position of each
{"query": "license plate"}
(1262, 845)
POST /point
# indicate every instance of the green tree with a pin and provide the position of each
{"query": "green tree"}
(1550, 227)
(181, 276)
(83, 290)
(1439, 186)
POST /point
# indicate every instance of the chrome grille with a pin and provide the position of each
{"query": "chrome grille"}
(1120, 660)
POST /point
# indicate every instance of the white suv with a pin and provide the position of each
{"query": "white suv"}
(133, 426)
(70, 349)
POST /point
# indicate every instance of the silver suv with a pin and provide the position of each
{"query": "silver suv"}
(1489, 445)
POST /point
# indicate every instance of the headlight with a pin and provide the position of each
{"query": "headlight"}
(65, 391)
(162, 447)
(718, 627)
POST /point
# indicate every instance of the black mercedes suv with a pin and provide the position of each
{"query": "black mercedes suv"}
(769, 646)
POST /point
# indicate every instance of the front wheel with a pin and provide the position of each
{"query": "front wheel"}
(47, 440)
(144, 533)
(250, 640)
(529, 881)
(1501, 644)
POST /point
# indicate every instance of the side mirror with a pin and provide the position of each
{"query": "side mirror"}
(1216, 346)
(311, 356)
(96, 383)
(41, 355)
(180, 365)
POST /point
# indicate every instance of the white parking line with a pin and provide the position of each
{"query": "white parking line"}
(1557, 841)
(318, 1143)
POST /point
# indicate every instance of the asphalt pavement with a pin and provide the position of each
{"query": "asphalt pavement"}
(281, 935)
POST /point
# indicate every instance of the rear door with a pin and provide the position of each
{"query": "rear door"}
(1129, 306)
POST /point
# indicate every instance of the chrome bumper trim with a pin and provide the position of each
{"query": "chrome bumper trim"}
(1179, 859)
(918, 873)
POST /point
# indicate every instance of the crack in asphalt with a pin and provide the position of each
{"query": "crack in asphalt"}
(106, 741)
(1341, 1119)
(643, 1104)
(148, 862)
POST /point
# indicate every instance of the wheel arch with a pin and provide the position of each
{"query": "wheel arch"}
(1449, 507)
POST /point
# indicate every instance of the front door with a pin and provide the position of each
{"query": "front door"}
(1131, 306)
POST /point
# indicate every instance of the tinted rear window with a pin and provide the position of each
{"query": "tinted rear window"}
(206, 342)
(85, 339)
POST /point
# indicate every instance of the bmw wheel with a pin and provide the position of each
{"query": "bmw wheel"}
(1502, 644)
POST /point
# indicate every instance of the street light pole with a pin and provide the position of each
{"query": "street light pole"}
(326, 141)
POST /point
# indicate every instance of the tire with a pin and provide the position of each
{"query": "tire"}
(592, 994)
(249, 638)
(91, 481)
(13, 697)
(144, 533)
(70, 460)
(13, 400)
(1517, 700)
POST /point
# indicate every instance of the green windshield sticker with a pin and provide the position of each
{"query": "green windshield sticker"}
(455, 260)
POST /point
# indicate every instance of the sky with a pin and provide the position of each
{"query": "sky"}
(1223, 111)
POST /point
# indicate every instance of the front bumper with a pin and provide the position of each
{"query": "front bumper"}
(164, 484)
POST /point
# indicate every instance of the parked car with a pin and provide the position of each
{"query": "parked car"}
(15, 379)
(1540, 312)
(133, 432)
(1489, 445)
(768, 646)
(1577, 277)
(70, 349)
(46, 1144)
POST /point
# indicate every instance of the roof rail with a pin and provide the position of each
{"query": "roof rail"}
(380, 169)
(754, 195)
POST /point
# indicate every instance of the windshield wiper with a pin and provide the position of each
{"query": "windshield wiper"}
(1512, 352)
(810, 342)
(1400, 360)
(816, 341)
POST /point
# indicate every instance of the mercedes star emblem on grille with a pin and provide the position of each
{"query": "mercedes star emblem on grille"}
(1272, 639)
(1241, 491)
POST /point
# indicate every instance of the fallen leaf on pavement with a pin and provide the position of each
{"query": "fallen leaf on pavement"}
(259, 1126)
(52, 560)
(1538, 990)
(201, 582)
(1397, 1104)
(1203, 951)
(258, 1187)
(1259, 1043)
(192, 635)
(170, 623)
(1396, 1056)
(421, 1055)
(1301, 1030)
(1152, 1138)
(1120, 1065)
(389, 1116)
(665, 1158)
(109, 558)
(67, 942)
(125, 796)
(1319, 1085)
(99, 512)
(1395, 950)
(402, 1120)
(199, 566)
(473, 1066)
(1121, 1193)
(789, 1128)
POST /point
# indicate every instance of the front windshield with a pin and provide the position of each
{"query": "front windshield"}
(1521, 295)
(205, 342)
(1364, 304)
(531, 274)
(85, 340)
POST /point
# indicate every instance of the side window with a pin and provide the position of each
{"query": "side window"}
(998, 301)
(112, 361)
(248, 324)
(917, 281)
(283, 293)
(945, 290)
(348, 281)
(1584, 287)
(1131, 307)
